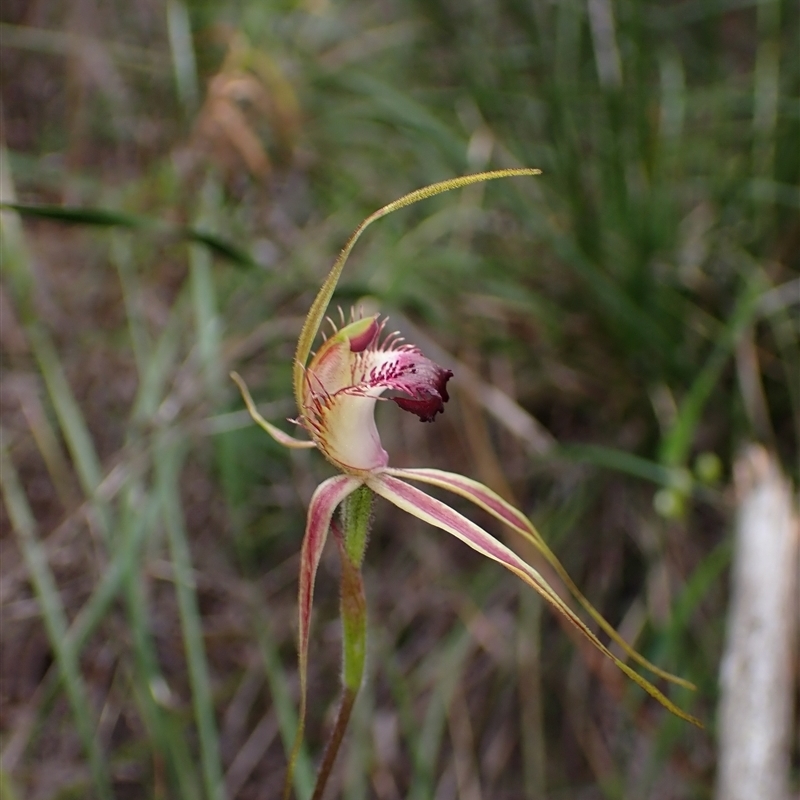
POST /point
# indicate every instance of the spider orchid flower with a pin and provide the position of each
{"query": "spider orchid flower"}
(336, 393)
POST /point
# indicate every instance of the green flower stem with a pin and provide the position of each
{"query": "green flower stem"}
(356, 519)
(334, 742)
(352, 540)
(354, 625)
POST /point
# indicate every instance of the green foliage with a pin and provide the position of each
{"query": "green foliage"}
(639, 299)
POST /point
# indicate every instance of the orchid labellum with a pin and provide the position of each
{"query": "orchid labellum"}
(336, 392)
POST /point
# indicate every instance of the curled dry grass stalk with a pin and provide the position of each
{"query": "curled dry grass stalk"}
(634, 316)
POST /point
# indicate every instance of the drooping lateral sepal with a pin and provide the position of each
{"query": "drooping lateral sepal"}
(410, 499)
(490, 501)
(324, 501)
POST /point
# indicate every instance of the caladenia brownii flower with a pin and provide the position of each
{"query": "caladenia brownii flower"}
(336, 392)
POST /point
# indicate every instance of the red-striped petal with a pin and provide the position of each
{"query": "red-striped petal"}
(439, 514)
(324, 501)
(490, 501)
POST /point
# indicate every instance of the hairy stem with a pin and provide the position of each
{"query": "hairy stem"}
(334, 742)
(356, 519)
(351, 538)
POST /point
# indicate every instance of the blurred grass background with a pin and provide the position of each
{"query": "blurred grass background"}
(618, 327)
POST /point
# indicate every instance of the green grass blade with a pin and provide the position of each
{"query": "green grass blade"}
(73, 425)
(401, 109)
(449, 660)
(167, 468)
(204, 300)
(109, 218)
(168, 732)
(166, 729)
(139, 512)
(532, 723)
(627, 463)
(220, 246)
(7, 790)
(179, 28)
(55, 619)
(103, 217)
(122, 570)
(71, 419)
(133, 534)
(283, 703)
(697, 586)
(122, 258)
(677, 444)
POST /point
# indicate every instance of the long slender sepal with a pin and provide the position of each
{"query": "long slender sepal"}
(276, 433)
(320, 305)
(351, 538)
(440, 515)
(324, 501)
(491, 502)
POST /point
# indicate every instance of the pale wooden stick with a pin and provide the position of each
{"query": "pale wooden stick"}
(757, 675)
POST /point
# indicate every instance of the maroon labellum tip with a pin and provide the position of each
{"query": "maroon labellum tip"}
(427, 401)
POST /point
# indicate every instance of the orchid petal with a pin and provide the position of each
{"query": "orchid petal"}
(440, 515)
(331, 368)
(323, 503)
(320, 305)
(276, 433)
(345, 428)
(491, 502)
